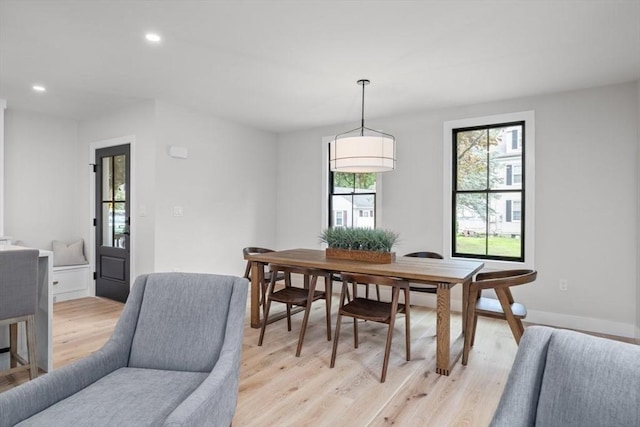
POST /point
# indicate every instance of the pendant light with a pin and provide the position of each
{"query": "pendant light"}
(362, 150)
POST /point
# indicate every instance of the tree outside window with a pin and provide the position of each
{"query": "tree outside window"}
(488, 192)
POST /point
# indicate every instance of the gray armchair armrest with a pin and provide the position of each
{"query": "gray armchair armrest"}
(519, 400)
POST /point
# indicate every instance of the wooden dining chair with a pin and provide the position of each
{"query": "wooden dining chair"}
(373, 310)
(297, 296)
(266, 275)
(502, 308)
(423, 287)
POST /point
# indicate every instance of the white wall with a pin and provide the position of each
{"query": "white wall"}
(586, 198)
(226, 189)
(139, 121)
(3, 105)
(638, 219)
(41, 178)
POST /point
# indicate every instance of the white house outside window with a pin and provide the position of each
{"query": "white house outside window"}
(352, 199)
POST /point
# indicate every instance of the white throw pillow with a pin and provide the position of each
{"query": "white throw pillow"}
(68, 254)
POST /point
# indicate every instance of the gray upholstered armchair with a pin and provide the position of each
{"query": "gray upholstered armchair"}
(564, 378)
(173, 360)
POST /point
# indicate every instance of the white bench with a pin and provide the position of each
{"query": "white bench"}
(70, 282)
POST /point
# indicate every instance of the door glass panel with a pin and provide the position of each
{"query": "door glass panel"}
(119, 225)
(107, 179)
(107, 224)
(119, 177)
(114, 197)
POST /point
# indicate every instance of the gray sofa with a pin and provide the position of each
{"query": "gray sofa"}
(565, 378)
(173, 360)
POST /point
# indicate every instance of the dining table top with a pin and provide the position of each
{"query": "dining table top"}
(410, 268)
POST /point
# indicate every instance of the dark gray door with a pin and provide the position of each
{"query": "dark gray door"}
(112, 222)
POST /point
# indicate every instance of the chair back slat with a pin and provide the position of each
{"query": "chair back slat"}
(505, 278)
(425, 254)
(374, 280)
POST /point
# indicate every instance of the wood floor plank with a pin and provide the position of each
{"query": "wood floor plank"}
(277, 388)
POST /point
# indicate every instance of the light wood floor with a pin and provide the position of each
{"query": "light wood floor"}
(277, 388)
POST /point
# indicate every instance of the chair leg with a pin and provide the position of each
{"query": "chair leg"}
(307, 311)
(514, 324)
(407, 324)
(335, 341)
(289, 317)
(328, 288)
(471, 325)
(31, 346)
(265, 320)
(475, 327)
(387, 347)
(355, 321)
(263, 301)
(378, 292)
(287, 284)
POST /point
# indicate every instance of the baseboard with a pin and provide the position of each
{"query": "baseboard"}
(65, 296)
(558, 320)
(589, 324)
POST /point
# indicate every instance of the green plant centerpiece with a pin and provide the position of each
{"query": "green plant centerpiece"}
(361, 244)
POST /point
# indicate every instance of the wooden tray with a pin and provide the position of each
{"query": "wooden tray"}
(366, 256)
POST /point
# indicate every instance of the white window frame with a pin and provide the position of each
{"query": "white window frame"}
(529, 248)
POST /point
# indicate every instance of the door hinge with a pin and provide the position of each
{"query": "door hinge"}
(95, 275)
(94, 166)
(95, 222)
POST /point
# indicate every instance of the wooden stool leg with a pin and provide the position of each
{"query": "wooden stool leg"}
(31, 346)
(13, 345)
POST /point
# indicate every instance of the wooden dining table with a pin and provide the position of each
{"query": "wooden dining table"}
(443, 273)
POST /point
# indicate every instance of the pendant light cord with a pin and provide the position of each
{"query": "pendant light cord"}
(362, 117)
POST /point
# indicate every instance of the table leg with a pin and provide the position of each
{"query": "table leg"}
(256, 279)
(443, 329)
(466, 286)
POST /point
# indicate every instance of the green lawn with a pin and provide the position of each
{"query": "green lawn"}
(499, 246)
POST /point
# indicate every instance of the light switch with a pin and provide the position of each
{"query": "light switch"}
(177, 211)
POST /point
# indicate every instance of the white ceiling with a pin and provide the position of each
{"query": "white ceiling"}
(288, 65)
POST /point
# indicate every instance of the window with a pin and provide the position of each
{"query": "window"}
(488, 191)
(517, 174)
(515, 142)
(513, 174)
(352, 199)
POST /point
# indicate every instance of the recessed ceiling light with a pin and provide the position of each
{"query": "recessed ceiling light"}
(39, 88)
(153, 37)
